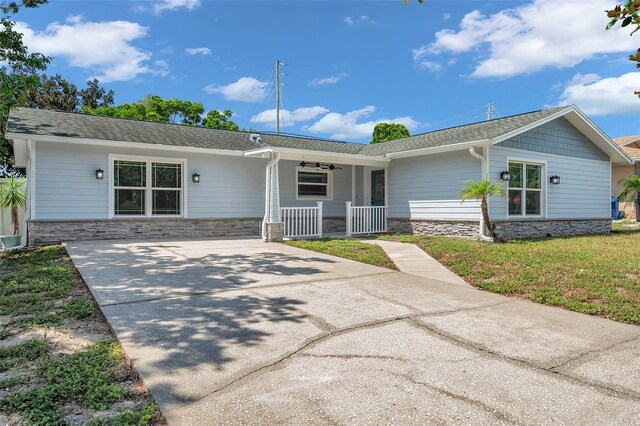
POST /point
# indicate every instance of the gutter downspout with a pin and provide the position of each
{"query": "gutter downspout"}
(267, 195)
(27, 209)
(483, 161)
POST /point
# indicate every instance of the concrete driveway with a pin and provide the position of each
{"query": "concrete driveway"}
(243, 332)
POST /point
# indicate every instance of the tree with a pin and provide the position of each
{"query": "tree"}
(220, 120)
(627, 14)
(155, 108)
(482, 190)
(13, 197)
(631, 193)
(19, 69)
(384, 132)
(52, 93)
(95, 96)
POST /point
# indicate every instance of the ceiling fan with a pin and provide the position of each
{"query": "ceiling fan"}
(318, 165)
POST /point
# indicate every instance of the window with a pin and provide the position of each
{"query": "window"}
(525, 189)
(147, 188)
(313, 184)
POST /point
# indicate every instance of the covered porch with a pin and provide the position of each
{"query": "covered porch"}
(311, 194)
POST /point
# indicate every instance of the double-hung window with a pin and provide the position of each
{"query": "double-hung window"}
(313, 184)
(147, 188)
(525, 189)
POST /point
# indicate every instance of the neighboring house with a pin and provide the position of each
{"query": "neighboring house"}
(98, 177)
(631, 146)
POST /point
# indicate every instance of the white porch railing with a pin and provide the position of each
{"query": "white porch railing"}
(300, 222)
(366, 219)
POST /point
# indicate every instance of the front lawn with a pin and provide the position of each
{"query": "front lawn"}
(597, 275)
(349, 249)
(59, 363)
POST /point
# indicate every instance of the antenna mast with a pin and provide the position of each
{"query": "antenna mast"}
(490, 109)
(277, 97)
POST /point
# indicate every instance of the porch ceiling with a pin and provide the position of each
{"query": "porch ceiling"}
(318, 156)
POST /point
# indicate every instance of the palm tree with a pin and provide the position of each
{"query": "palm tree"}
(13, 196)
(482, 190)
(631, 193)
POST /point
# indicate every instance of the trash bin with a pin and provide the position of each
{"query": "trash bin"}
(614, 208)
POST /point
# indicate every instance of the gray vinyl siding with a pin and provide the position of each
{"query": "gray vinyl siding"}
(359, 201)
(583, 192)
(558, 137)
(341, 189)
(66, 187)
(429, 177)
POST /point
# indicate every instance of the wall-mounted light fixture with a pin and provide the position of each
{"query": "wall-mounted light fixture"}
(505, 175)
(319, 165)
(555, 179)
(195, 178)
(99, 174)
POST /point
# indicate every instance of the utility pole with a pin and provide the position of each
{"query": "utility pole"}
(277, 97)
(490, 109)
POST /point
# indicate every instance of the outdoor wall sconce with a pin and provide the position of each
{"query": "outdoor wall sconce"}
(99, 174)
(505, 175)
(195, 178)
(555, 179)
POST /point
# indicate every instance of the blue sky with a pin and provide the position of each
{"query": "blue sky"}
(349, 64)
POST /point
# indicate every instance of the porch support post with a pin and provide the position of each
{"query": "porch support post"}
(319, 221)
(348, 232)
(272, 228)
(353, 183)
(386, 199)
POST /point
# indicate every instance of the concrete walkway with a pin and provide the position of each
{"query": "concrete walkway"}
(243, 332)
(411, 259)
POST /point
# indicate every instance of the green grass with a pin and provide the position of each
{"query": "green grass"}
(143, 416)
(597, 275)
(90, 377)
(349, 249)
(29, 350)
(32, 283)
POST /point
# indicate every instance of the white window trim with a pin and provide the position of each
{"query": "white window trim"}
(543, 188)
(148, 188)
(329, 174)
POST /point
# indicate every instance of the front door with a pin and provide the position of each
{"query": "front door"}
(377, 188)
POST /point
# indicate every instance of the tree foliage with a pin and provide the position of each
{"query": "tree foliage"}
(384, 132)
(482, 190)
(220, 120)
(95, 96)
(155, 108)
(627, 14)
(631, 192)
(20, 68)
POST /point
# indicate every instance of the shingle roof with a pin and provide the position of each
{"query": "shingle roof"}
(65, 124)
(468, 133)
(74, 125)
(631, 151)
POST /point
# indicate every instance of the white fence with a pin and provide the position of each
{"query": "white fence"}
(5, 218)
(302, 222)
(445, 209)
(366, 219)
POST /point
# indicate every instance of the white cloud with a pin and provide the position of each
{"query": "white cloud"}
(347, 126)
(161, 68)
(603, 96)
(430, 66)
(102, 47)
(359, 20)
(246, 89)
(160, 6)
(289, 118)
(531, 37)
(204, 51)
(328, 81)
(446, 16)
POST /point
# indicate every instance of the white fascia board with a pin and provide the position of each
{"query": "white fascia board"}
(323, 156)
(20, 157)
(261, 152)
(121, 144)
(438, 149)
(584, 125)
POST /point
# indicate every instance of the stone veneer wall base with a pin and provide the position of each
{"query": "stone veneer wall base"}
(506, 230)
(43, 232)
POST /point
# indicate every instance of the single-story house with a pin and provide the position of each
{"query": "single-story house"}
(93, 177)
(631, 146)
